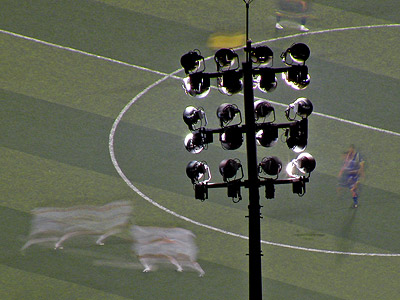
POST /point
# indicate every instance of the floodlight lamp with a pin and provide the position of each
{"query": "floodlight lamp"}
(267, 81)
(193, 115)
(231, 138)
(297, 77)
(262, 55)
(229, 168)
(297, 135)
(191, 61)
(304, 163)
(301, 107)
(268, 136)
(298, 54)
(263, 109)
(225, 59)
(270, 165)
(198, 140)
(197, 85)
(230, 83)
(194, 143)
(226, 113)
(197, 170)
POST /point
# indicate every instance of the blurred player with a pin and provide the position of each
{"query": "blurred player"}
(56, 224)
(351, 173)
(155, 245)
(293, 9)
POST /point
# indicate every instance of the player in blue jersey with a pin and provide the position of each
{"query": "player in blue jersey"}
(351, 173)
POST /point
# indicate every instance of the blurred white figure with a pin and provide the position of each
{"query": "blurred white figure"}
(154, 245)
(59, 224)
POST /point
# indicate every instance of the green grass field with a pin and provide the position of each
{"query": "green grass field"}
(68, 69)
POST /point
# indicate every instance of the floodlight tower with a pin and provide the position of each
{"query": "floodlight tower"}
(259, 128)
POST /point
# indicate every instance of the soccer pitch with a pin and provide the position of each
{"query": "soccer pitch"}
(91, 113)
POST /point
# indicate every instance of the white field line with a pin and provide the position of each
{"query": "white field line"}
(172, 75)
(79, 52)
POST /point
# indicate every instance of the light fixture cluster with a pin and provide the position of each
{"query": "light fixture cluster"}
(231, 131)
(229, 76)
(230, 81)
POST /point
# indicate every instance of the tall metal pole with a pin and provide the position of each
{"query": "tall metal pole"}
(255, 275)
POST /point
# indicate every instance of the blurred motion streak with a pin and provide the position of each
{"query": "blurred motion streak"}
(154, 245)
(50, 224)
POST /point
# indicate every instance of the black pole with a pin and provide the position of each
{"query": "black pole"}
(247, 20)
(255, 275)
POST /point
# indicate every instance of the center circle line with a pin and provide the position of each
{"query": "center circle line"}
(165, 209)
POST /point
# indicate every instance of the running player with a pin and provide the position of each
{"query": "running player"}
(351, 173)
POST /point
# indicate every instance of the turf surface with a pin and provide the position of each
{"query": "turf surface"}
(58, 107)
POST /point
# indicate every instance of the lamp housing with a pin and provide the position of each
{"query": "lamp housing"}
(301, 107)
(261, 55)
(193, 115)
(230, 82)
(298, 54)
(197, 170)
(304, 164)
(225, 59)
(297, 77)
(226, 112)
(297, 135)
(231, 138)
(267, 81)
(198, 140)
(197, 85)
(268, 136)
(192, 61)
(270, 165)
(263, 109)
(229, 168)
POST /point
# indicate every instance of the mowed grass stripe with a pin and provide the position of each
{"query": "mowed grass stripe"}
(368, 8)
(228, 17)
(30, 181)
(12, 287)
(77, 265)
(223, 278)
(102, 29)
(292, 221)
(69, 78)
